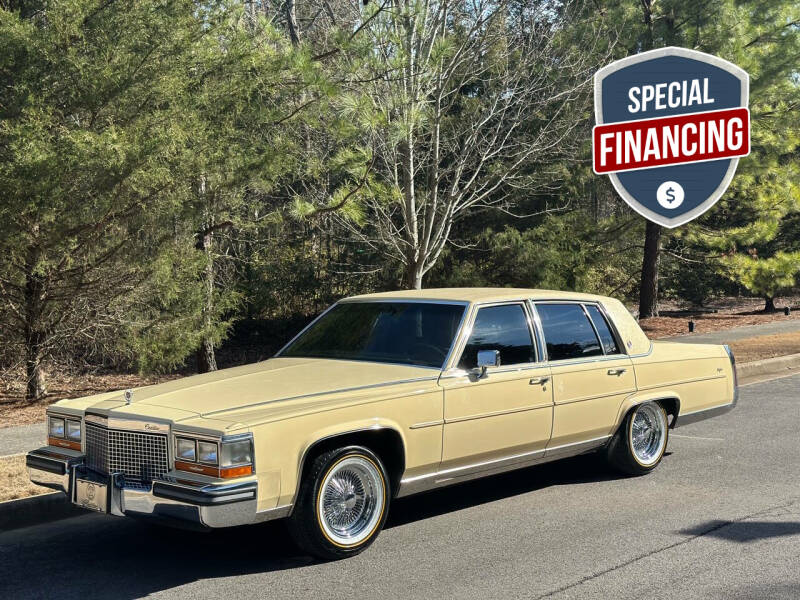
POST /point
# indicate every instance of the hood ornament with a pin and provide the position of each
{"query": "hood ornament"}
(128, 396)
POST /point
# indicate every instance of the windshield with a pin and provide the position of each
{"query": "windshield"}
(413, 333)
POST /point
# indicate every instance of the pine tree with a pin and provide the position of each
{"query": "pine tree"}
(92, 146)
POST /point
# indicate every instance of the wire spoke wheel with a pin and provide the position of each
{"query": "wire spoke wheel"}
(648, 434)
(351, 500)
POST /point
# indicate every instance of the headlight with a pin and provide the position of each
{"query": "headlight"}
(74, 430)
(64, 431)
(236, 453)
(56, 427)
(186, 449)
(207, 452)
(222, 458)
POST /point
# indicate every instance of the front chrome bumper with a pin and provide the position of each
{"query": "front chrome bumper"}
(179, 499)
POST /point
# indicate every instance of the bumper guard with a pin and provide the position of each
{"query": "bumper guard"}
(179, 499)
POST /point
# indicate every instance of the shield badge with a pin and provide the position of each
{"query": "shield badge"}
(671, 126)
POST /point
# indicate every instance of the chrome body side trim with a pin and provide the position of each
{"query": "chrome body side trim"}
(574, 448)
(594, 397)
(426, 424)
(679, 382)
(270, 514)
(445, 477)
(498, 413)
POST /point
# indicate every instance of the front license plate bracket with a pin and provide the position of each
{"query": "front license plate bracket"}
(91, 494)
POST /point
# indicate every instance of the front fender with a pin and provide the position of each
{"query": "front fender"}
(339, 430)
(348, 427)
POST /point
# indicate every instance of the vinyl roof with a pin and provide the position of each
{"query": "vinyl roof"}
(476, 295)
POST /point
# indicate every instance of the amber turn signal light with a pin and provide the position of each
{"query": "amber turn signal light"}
(228, 472)
(224, 473)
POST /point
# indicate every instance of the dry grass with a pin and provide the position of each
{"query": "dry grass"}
(766, 346)
(729, 315)
(14, 482)
(15, 410)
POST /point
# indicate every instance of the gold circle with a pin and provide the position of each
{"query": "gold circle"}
(383, 505)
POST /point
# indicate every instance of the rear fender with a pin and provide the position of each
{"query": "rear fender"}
(653, 396)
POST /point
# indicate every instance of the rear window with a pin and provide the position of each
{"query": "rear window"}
(568, 332)
(604, 331)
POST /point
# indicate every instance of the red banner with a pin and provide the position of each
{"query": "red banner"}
(696, 137)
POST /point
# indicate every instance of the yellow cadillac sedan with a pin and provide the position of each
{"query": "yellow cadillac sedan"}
(382, 396)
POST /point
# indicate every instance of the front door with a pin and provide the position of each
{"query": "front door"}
(508, 413)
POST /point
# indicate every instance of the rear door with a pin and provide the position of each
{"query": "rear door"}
(591, 373)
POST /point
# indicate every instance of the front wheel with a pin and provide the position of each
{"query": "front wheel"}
(639, 445)
(342, 503)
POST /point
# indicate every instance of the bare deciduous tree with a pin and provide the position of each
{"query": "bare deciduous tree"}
(465, 101)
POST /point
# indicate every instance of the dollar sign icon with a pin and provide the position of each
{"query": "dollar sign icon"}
(670, 194)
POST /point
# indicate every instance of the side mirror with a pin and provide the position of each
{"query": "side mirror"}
(486, 359)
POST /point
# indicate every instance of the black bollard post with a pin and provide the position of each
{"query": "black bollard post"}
(786, 310)
(691, 326)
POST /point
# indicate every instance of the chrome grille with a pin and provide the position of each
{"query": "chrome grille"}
(140, 457)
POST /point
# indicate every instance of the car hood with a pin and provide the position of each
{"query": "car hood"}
(275, 384)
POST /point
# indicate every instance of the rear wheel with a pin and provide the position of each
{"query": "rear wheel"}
(342, 503)
(639, 445)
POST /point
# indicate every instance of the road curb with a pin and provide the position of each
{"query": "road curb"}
(35, 510)
(779, 366)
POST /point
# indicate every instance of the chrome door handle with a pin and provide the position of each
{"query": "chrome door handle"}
(540, 380)
(616, 371)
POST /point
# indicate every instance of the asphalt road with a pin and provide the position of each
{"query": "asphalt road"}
(726, 336)
(22, 438)
(719, 519)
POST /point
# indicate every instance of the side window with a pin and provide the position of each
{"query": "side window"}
(603, 330)
(503, 328)
(567, 332)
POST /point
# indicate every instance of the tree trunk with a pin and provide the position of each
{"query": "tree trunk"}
(206, 358)
(648, 290)
(35, 336)
(36, 388)
(769, 304)
(412, 278)
(291, 20)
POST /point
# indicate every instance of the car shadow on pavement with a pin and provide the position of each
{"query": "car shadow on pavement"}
(744, 531)
(94, 556)
(108, 557)
(580, 469)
